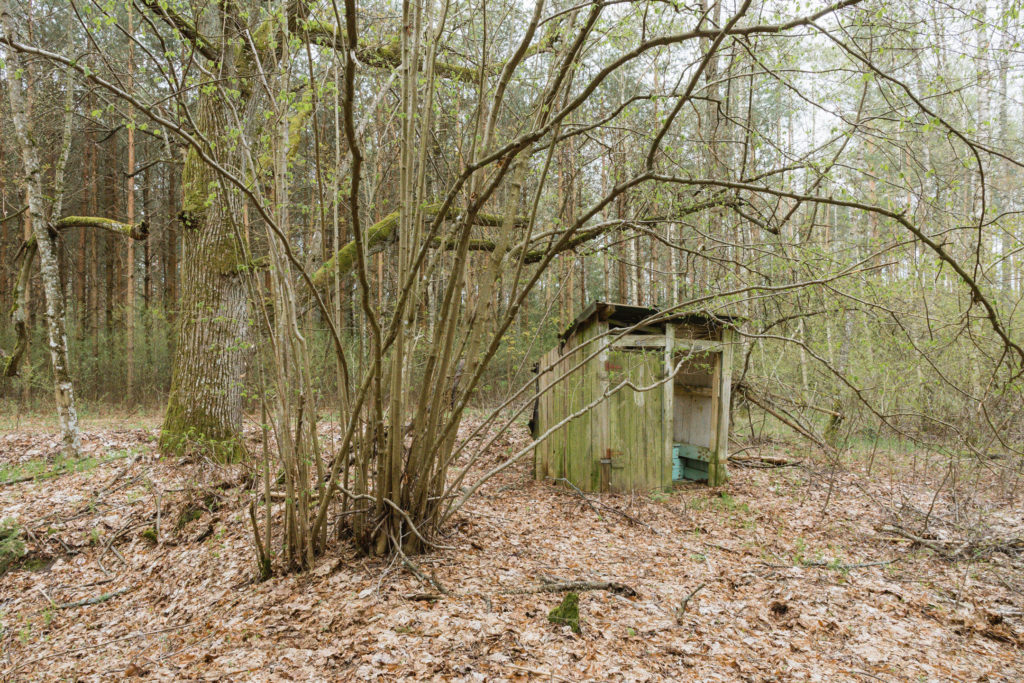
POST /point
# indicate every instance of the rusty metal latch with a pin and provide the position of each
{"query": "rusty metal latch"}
(610, 460)
(610, 366)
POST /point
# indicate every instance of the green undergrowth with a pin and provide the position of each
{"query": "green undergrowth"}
(225, 448)
(45, 468)
(12, 547)
(567, 613)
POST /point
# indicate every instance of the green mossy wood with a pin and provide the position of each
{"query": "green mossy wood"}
(607, 420)
(567, 613)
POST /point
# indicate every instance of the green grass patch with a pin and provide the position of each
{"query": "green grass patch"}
(12, 547)
(43, 468)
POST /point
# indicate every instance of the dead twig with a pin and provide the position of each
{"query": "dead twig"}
(764, 462)
(89, 646)
(414, 568)
(685, 602)
(545, 675)
(837, 566)
(721, 547)
(92, 601)
(424, 597)
(109, 546)
(576, 587)
(952, 550)
(22, 480)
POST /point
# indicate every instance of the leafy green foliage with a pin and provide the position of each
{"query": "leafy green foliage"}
(12, 547)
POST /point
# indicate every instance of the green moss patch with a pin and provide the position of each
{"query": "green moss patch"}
(567, 613)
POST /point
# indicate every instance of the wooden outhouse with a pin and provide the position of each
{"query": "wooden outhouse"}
(607, 417)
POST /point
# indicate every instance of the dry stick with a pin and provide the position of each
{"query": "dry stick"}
(22, 480)
(85, 585)
(92, 601)
(763, 462)
(414, 568)
(92, 646)
(536, 672)
(53, 474)
(686, 601)
(576, 587)
(951, 550)
(721, 547)
(935, 546)
(118, 534)
(818, 564)
(120, 556)
(47, 596)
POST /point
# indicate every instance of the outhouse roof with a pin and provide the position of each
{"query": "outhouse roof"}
(625, 315)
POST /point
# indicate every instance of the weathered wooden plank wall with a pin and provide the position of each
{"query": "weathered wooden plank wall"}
(624, 443)
(636, 423)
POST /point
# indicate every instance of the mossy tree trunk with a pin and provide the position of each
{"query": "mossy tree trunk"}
(205, 403)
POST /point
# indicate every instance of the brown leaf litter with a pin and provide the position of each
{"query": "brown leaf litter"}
(788, 589)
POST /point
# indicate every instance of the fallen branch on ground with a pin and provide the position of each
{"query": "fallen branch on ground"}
(686, 601)
(90, 646)
(576, 587)
(837, 566)
(763, 462)
(952, 550)
(92, 601)
(415, 569)
(550, 587)
(22, 480)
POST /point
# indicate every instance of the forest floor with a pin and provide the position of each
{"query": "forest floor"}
(792, 574)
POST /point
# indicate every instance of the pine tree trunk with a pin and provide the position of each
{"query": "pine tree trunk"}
(129, 298)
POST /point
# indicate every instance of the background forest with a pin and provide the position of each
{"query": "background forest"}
(317, 210)
(320, 251)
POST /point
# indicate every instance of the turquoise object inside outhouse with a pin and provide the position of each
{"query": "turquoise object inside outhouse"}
(689, 462)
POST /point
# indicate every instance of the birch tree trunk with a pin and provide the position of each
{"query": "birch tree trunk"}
(64, 393)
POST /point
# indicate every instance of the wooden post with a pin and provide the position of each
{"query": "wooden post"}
(717, 470)
(667, 412)
(602, 410)
(716, 393)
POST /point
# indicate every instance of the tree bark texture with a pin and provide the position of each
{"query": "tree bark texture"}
(207, 375)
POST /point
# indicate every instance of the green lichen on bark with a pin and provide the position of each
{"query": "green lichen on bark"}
(344, 259)
(386, 230)
(567, 613)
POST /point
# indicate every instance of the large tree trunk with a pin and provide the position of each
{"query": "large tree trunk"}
(205, 403)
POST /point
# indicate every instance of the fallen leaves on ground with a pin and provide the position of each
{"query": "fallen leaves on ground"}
(783, 596)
